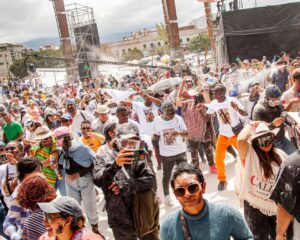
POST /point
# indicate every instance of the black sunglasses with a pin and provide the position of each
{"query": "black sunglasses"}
(10, 148)
(86, 128)
(192, 188)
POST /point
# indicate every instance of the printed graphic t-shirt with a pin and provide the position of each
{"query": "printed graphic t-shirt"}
(146, 116)
(169, 144)
(228, 117)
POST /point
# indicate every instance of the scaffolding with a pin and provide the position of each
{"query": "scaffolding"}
(84, 34)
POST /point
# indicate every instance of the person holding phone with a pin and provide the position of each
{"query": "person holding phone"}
(120, 175)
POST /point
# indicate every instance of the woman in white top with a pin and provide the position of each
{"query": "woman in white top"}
(8, 171)
(257, 168)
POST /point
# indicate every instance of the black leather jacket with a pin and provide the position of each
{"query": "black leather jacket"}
(119, 207)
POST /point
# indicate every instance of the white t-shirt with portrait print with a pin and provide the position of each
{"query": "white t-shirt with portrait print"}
(228, 117)
(169, 145)
(146, 116)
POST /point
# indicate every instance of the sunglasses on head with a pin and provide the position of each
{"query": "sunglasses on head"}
(266, 141)
(192, 188)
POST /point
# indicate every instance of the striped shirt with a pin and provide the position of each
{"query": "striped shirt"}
(43, 154)
(33, 226)
(16, 216)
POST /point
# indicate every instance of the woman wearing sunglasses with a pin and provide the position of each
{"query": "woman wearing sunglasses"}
(257, 169)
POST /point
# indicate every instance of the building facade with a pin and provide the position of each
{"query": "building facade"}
(147, 41)
(8, 54)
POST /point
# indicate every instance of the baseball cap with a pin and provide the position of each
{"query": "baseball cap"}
(2, 109)
(63, 204)
(126, 131)
(273, 91)
(167, 105)
(66, 116)
(70, 101)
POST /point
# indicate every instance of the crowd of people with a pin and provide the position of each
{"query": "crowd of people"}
(109, 137)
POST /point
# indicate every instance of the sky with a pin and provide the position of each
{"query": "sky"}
(25, 20)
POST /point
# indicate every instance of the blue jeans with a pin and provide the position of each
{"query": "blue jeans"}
(60, 185)
(2, 218)
(286, 146)
(83, 188)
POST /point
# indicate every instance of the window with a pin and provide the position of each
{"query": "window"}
(158, 44)
(187, 39)
(129, 49)
(117, 52)
(145, 46)
(123, 51)
(180, 40)
(152, 45)
(1, 63)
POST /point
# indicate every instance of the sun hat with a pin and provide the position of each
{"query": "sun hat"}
(262, 129)
(43, 133)
(102, 109)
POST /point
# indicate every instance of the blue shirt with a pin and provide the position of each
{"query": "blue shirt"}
(214, 222)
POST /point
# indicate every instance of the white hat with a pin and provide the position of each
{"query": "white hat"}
(262, 129)
(102, 109)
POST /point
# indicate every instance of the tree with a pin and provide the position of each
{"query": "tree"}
(200, 43)
(136, 54)
(18, 68)
(162, 36)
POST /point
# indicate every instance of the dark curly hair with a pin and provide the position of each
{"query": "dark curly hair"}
(35, 189)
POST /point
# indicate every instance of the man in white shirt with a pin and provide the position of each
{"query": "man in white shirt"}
(227, 110)
(104, 118)
(146, 112)
(169, 129)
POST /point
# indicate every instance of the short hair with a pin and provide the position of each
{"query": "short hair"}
(187, 168)
(28, 165)
(121, 109)
(35, 189)
(85, 122)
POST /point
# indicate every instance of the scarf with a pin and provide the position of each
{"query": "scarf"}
(251, 184)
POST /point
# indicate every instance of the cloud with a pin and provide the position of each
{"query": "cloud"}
(23, 20)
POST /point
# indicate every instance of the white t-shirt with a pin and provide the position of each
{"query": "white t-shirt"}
(169, 145)
(12, 174)
(99, 126)
(146, 116)
(227, 116)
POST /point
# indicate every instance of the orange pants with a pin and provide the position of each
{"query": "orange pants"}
(222, 144)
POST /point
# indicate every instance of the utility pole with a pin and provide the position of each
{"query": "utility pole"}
(170, 15)
(63, 30)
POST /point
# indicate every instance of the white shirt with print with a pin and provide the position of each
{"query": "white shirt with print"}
(169, 145)
(228, 117)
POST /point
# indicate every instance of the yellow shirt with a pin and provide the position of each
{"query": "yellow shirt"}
(94, 141)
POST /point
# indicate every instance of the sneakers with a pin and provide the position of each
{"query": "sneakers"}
(168, 201)
(222, 186)
(213, 169)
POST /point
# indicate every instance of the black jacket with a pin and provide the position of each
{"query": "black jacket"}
(119, 207)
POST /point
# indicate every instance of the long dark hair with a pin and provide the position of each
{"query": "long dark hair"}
(266, 158)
